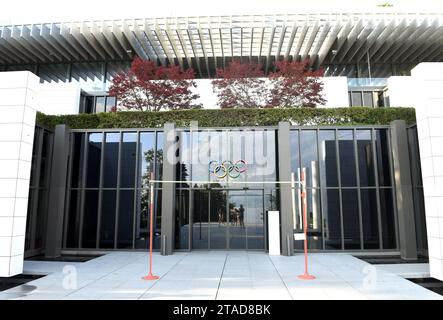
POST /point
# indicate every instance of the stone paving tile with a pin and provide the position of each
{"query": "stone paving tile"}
(219, 275)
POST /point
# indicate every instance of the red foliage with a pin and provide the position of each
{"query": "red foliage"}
(152, 88)
(240, 85)
(294, 85)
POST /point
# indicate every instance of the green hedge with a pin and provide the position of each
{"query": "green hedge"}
(233, 117)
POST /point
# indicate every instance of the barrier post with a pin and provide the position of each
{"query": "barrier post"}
(150, 276)
(306, 275)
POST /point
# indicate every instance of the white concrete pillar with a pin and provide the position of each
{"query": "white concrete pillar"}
(17, 121)
(428, 102)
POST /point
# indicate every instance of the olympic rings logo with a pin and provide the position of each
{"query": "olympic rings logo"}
(227, 168)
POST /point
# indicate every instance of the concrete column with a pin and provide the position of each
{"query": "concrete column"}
(168, 189)
(403, 190)
(57, 192)
(284, 174)
(18, 96)
(428, 82)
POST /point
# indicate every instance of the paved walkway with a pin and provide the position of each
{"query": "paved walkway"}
(216, 275)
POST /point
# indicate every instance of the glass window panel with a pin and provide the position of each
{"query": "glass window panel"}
(107, 223)
(128, 160)
(202, 144)
(94, 156)
(157, 218)
(125, 219)
(254, 221)
(90, 219)
(73, 219)
(77, 159)
(110, 165)
(110, 104)
(219, 220)
(328, 158)
(159, 157)
(146, 158)
(183, 171)
(237, 230)
(370, 219)
(182, 220)
(357, 99)
(200, 225)
(347, 158)
(331, 219)
(365, 158)
(387, 219)
(314, 219)
(367, 99)
(309, 159)
(351, 220)
(383, 163)
(99, 104)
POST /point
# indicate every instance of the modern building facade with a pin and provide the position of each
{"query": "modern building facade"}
(370, 189)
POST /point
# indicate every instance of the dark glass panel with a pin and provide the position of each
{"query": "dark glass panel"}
(157, 218)
(77, 159)
(90, 219)
(331, 219)
(387, 219)
(237, 230)
(382, 146)
(314, 219)
(347, 158)
(351, 220)
(110, 165)
(128, 160)
(309, 157)
(73, 219)
(200, 234)
(94, 156)
(142, 217)
(254, 221)
(182, 220)
(107, 224)
(219, 221)
(365, 158)
(328, 158)
(370, 219)
(125, 219)
(295, 156)
(42, 214)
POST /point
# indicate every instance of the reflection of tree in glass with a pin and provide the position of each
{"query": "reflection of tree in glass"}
(150, 156)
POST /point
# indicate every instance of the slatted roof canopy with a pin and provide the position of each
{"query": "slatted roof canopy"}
(207, 43)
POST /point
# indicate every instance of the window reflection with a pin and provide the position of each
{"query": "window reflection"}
(347, 158)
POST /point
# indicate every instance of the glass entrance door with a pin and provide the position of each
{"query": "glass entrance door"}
(228, 219)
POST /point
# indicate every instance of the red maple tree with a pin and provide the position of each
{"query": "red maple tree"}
(148, 87)
(240, 85)
(294, 85)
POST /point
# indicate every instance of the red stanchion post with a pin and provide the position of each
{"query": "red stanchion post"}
(306, 275)
(150, 276)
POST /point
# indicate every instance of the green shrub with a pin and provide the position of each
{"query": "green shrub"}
(233, 117)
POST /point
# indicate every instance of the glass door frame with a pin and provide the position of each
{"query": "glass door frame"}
(241, 192)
